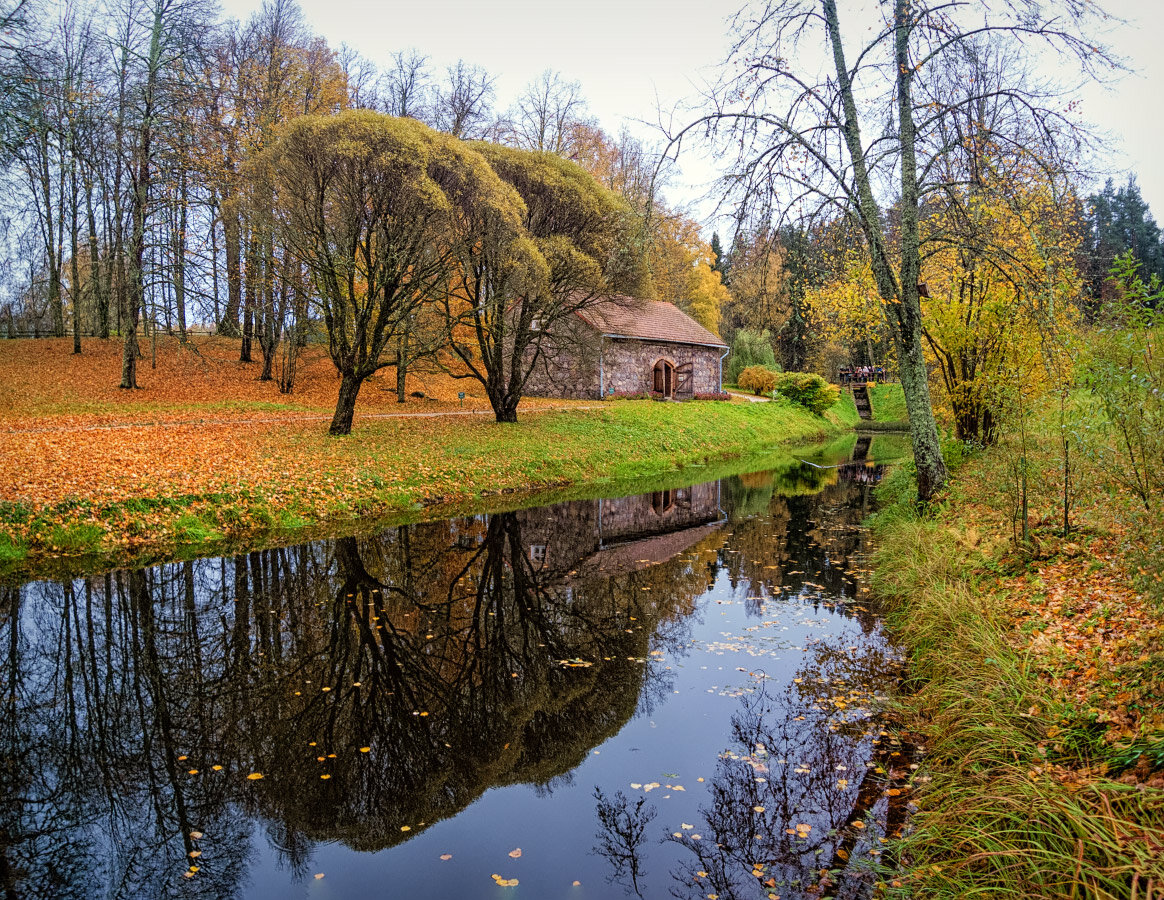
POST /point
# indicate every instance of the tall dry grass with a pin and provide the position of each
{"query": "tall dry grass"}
(996, 817)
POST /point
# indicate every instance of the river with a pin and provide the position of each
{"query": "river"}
(670, 694)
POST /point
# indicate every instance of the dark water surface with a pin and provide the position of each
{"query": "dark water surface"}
(669, 694)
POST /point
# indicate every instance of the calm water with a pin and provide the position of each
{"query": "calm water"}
(668, 695)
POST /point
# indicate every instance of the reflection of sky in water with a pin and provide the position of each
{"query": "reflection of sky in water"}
(705, 648)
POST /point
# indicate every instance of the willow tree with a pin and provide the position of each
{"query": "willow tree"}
(368, 205)
(521, 281)
(792, 118)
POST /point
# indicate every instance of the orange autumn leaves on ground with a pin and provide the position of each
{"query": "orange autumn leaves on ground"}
(1096, 640)
(45, 383)
(1073, 612)
(201, 424)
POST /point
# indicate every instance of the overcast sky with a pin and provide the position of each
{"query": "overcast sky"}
(632, 56)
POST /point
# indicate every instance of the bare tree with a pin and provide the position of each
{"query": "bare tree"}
(407, 85)
(545, 114)
(463, 104)
(794, 111)
(158, 34)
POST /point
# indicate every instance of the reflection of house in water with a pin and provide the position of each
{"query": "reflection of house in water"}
(585, 538)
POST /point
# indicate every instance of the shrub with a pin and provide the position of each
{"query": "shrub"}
(627, 395)
(808, 389)
(749, 349)
(757, 379)
(714, 395)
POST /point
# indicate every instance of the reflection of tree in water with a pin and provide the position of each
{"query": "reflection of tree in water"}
(137, 703)
(803, 792)
(622, 837)
(769, 559)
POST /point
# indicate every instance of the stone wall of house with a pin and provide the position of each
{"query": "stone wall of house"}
(660, 512)
(629, 365)
(567, 366)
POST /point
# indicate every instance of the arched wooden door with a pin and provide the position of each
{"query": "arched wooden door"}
(664, 378)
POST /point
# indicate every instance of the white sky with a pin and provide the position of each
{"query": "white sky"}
(632, 55)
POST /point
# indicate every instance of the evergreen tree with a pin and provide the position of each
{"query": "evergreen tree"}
(1120, 221)
(721, 262)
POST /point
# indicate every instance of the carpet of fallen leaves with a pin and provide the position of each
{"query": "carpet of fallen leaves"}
(202, 423)
(1071, 606)
(46, 385)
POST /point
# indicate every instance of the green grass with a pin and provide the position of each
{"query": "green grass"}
(844, 411)
(888, 403)
(993, 819)
(74, 538)
(397, 469)
(194, 529)
(12, 551)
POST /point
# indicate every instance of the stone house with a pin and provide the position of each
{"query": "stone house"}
(620, 345)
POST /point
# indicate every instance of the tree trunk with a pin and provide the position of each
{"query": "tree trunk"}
(504, 405)
(231, 239)
(252, 286)
(100, 298)
(927, 450)
(345, 407)
(74, 263)
(401, 367)
(179, 244)
(899, 296)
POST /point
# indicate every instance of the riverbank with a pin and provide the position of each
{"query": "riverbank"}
(1036, 686)
(116, 495)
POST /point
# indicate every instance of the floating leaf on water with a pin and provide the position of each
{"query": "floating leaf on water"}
(365, 749)
(406, 828)
(318, 875)
(216, 768)
(325, 777)
(192, 772)
(194, 854)
(446, 856)
(254, 776)
(515, 853)
(758, 808)
(196, 835)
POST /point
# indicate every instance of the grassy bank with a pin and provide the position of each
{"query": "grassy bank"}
(282, 480)
(1036, 689)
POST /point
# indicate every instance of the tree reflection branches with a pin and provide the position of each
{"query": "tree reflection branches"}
(621, 836)
(802, 797)
(373, 682)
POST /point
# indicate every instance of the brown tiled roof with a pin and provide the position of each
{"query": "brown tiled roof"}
(634, 556)
(647, 320)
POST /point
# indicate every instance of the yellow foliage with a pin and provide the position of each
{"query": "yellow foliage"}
(1001, 294)
(681, 271)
